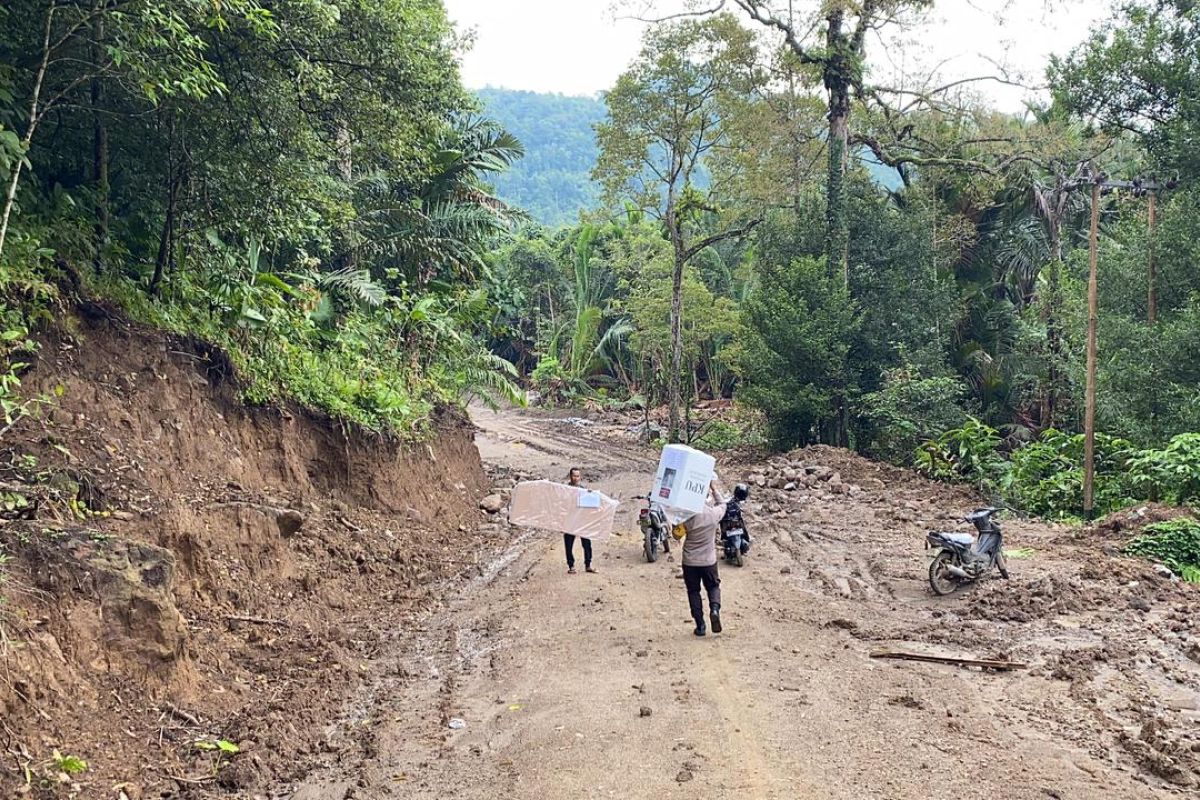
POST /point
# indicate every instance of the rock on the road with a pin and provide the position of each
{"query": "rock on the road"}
(492, 503)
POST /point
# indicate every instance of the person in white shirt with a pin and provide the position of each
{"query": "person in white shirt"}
(575, 478)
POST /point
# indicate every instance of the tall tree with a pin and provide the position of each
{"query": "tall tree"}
(665, 122)
(61, 48)
(1139, 73)
(829, 36)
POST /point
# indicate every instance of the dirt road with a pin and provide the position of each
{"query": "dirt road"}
(593, 686)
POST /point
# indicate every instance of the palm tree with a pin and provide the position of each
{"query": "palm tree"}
(1037, 214)
(440, 229)
(590, 350)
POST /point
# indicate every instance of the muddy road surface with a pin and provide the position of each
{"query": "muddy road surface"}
(532, 683)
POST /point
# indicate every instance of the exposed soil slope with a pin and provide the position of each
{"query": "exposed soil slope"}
(253, 564)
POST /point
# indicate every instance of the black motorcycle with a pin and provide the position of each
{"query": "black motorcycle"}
(653, 522)
(959, 558)
(735, 542)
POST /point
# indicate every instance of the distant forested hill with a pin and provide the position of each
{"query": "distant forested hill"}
(552, 181)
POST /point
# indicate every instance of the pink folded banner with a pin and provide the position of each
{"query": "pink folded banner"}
(558, 507)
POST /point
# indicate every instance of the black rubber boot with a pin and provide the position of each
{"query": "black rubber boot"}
(715, 616)
(700, 630)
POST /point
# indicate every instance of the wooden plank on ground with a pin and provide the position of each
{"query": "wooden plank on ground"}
(985, 663)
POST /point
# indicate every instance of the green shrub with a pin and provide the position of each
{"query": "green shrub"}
(798, 328)
(1171, 474)
(1046, 476)
(719, 434)
(1176, 543)
(909, 410)
(550, 378)
(336, 343)
(970, 454)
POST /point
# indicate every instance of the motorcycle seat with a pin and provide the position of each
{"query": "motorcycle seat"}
(958, 538)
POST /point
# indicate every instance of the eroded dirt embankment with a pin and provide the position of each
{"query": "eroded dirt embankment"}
(251, 564)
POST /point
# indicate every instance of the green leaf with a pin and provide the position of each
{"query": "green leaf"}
(71, 765)
(270, 279)
(253, 314)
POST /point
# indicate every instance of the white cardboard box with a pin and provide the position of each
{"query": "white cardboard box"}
(559, 507)
(682, 480)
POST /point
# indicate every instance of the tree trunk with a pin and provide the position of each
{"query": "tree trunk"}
(838, 76)
(837, 229)
(1152, 305)
(345, 154)
(167, 236)
(1054, 338)
(345, 167)
(837, 79)
(674, 392)
(1152, 291)
(99, 153)
(1054, 345)
(1089, 414)
(35, 116)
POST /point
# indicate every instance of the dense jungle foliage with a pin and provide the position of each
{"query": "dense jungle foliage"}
(299, 181)
(902, 271)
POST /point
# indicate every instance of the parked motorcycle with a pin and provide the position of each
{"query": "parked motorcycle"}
(959, 558)
(653, 522)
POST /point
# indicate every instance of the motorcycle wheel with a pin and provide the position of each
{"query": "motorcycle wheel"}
(1002, 565)
(739, 560)
(650, 547)
(940, 579)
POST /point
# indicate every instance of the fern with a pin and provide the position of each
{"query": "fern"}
(356, 283)
(490, 378)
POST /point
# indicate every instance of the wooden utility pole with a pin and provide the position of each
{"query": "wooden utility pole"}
(1138, 187)
(1089, 416)
(1152, 297)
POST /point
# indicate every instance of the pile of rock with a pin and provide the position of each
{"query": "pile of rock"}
(495, 503)
(792, 476)
(646, 431)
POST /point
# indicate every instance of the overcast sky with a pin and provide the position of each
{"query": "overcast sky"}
(577, 47)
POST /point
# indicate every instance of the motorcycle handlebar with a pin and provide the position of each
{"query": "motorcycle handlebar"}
(981, 513)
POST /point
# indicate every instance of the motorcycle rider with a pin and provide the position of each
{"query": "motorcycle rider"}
(700, 562)
(733, 515)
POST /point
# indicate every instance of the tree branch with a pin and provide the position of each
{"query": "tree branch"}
(756, 13)
(708, 241)
(704, 12)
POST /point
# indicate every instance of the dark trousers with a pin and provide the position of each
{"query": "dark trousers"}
(693, 577)
(569, 544)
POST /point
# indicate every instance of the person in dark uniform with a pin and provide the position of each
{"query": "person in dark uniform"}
(700, 562)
